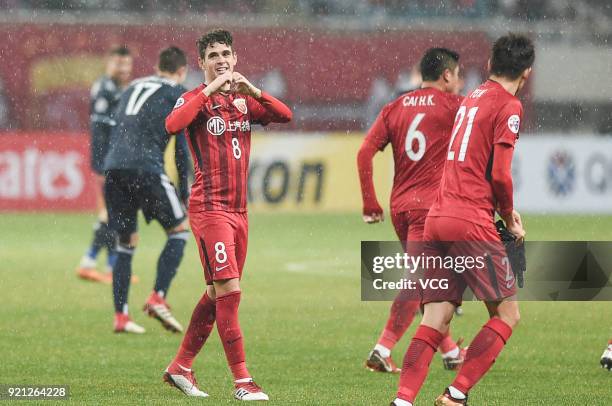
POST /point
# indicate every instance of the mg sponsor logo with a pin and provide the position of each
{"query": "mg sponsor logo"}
(215, 125)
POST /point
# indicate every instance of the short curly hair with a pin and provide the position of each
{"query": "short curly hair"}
(211, 37)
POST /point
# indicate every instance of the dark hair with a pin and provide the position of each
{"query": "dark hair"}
(511, 55)
(171, 59)
(211, 37)
(120, 50)
(436, 61)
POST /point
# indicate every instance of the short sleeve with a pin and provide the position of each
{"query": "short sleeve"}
(379, 133)
(508, 123)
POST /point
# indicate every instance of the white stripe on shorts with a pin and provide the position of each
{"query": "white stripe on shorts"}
(177, 210)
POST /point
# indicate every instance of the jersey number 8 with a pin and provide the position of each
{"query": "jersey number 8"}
(236, 148)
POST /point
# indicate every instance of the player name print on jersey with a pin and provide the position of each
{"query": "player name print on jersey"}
(418, 101)
(477, 93)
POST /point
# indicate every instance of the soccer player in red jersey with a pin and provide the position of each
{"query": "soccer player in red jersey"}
(418, 126)
(217, 118)
(477, 181)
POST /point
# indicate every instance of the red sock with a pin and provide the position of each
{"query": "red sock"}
(481, 354)
(200, 326)
(400, 317)
(416, 362)
(610, 342)
(447, 343)
(230, 333)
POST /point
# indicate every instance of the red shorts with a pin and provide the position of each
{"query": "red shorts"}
(222, 239)
(460, 239)
(409, 225)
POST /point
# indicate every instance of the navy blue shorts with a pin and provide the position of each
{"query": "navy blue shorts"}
(126, 191)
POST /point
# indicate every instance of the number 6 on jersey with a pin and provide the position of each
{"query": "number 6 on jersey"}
(414, 134)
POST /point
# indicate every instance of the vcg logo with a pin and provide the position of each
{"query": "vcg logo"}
(215, 125)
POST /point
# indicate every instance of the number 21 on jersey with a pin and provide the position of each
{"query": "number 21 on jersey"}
(466, 134)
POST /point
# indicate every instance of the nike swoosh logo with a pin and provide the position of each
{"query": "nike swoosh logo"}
(216, 107)
(220, 268)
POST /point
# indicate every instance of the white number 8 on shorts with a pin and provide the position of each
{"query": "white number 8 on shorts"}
(220, 254)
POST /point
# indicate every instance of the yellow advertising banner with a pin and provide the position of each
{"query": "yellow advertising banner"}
(311, 172)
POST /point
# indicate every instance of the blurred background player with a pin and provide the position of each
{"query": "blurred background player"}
(105, 95)
(418, 125)
(606, 357)
(136, 180)
(476, 182)
(217, 116)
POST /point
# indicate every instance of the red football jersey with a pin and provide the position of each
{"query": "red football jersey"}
(220, 141)
(418, 125)
(489, 115)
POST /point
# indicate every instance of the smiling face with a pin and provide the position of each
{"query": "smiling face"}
(218, 59)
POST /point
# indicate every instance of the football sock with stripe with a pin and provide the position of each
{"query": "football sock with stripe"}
(200, 327)
(169, 260)
(400, 317)
(122, 272)
(230, 333)
(416, 361)
(481, 354)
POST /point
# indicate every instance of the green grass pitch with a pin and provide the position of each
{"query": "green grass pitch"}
(306, 330)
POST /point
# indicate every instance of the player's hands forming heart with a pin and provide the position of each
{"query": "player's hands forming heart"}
(222, 83)
(241, 85)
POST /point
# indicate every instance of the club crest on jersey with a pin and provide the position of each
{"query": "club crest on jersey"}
(514, 123)
(240, 105)
(215, 125)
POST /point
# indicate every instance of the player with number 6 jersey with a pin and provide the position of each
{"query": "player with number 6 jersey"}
(477, 181)
(418, 126)
(217, 118)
